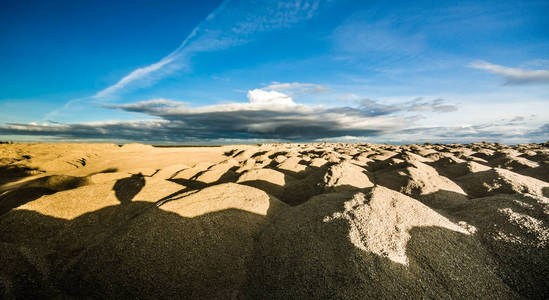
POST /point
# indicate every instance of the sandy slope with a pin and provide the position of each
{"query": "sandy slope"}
(274, 221)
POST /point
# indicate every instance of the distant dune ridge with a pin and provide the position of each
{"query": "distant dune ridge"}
(284, 221)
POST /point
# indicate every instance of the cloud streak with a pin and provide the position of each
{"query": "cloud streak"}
(503, 132)
(234, 22)
(514, 76)
(297, 88)
(497, 132)
(438, 105)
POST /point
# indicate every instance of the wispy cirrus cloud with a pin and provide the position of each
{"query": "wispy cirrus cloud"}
(149, 106)
(348, 97)
(297, 88)
(419, 104)
(514, 76)
(435, 105)
(505, 132)
(377, 43)
(234, 22)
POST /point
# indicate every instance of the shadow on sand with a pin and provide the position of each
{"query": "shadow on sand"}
(225, 254)
(127, 188)
(37, 188)
(10, 173)
(519, 254)
(106, 254)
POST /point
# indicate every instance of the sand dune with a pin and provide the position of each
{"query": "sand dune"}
(274, 221)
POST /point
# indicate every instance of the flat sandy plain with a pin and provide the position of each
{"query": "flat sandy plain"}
(282, 221)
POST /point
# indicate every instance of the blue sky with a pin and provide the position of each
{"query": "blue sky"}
(251, 71)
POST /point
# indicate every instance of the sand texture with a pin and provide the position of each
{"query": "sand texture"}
(274, 221)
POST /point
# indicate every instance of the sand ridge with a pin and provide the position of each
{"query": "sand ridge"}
(324, 220)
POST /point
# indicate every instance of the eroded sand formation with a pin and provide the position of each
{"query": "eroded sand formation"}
(274, 221)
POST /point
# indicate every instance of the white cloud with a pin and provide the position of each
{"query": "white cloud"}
(514, 75)
(261, 97)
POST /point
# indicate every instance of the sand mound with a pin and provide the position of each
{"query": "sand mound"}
(383, 155)
(72, 204)
(219, 173)
(34, 189)
(14, 172)
(318, 162)
(410, 156)
(483, 153)
(287, 188)
(268, 180)
(423, 182)
(21, 276)
(381, 244)
(331, 157)
(224, 165)
(225, 196)
(500, 181)
(152, 190)
(362, 158)
(515, 230)
(458, 168)
(216, 176)
(197, 246)
(280, 158)
(242, 155)
(246, 165)
(541, 172)
(170, 171)
(388, 164)
(345, 176)
(512, 163)
(188, 173)
(293, 166)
